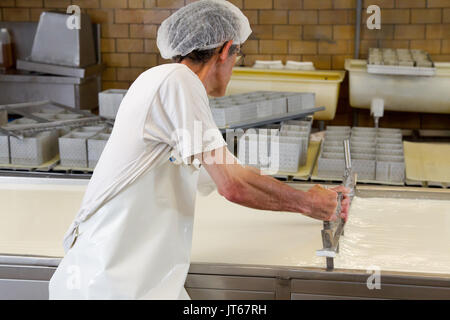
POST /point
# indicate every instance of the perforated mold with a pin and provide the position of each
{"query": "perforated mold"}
(109, 102)
(73, 149)
(5, 155)
(286, 153)
(34, 149)
(95, 145)
(258, 105)
(377, 154)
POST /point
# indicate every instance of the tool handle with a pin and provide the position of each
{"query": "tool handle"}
(339, 206)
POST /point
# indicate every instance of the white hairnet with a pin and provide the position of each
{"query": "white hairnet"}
(202, 25)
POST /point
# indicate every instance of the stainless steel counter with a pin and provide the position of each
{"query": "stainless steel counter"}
(26, 277)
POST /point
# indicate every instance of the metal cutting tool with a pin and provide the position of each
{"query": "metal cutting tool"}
(332, 231)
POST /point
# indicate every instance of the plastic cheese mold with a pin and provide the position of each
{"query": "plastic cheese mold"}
(109, 102)
(377, 154)
(73, 147)
(95, 145)
(282, 149)
(34, 149)
(256, 105)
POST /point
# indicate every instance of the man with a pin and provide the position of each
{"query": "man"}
(132, 236)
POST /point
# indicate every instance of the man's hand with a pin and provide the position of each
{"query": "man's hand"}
(324, 202)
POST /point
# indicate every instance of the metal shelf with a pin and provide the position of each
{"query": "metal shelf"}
(44, 124)
(270, 120)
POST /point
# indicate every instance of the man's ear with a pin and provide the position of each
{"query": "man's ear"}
(223, 56)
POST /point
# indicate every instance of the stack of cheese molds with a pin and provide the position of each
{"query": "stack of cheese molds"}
(399, 57)
(37, 148)
(283, 149)
(81, 148)
(400, 62)
(248, 107)
(34, 149)
(95, 146)
(109, 102)
(74, 146)
(377, 154)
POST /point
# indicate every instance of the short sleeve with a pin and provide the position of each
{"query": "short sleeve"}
(187, 122)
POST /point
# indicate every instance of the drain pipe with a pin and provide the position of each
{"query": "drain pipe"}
(358, 28)
(356, 50)
(377, 110)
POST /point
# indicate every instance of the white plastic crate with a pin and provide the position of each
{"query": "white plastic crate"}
(301, 130)
(377, 154)
(288, 150)
(303, 123)
(73, 147)
(247, 111)
(389, 130)
(96, 144)
(364, 135)
(109, 102)
(256, 105)
(254, 150)
(308, 100)
(332, 149)
(363, 129)
(34, 149)
(389, 150)
(279, 106)
(364, 165)
(390, 168)
(400, 62)
(339, 128)
(303, 140)
(225, 115)
(278, 101)
(299, 101)
(263, 108)
(284, 153)
(5, 156)
(89, 129)
(331, 165)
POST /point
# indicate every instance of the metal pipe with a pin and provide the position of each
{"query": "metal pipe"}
(348, 159)
(376, 121)
(358, 28)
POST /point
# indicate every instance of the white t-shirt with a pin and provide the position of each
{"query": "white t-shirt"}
(132, 236)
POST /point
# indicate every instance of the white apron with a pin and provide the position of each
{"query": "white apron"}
(137, 245)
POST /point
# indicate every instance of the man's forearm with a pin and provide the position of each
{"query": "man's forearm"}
(264, 192)
(245, 186)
